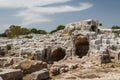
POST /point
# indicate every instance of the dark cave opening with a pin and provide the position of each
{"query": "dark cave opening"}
(58, 54)
(82, 46)
(93, 28)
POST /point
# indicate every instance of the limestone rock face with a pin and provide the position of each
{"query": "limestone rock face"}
(31, 66)
(55, 70)
(40, 75)
(7, 61)
(64, 69)
(73, 66)
(1, 78)
(59, 68)
(88, 25)
(2, 52)
(11, 74)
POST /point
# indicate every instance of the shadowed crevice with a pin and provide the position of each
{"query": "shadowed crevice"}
(81, 45)
(58, 54)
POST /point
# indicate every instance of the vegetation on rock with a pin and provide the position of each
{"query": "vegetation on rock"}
(115, 32)
(14, 31)
(115, 27)
(60, 27)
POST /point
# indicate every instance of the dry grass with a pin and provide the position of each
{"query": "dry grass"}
(27, 77)
(26, 64)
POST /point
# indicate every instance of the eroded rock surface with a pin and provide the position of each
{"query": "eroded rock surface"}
(28, 66)
(76, 53)
(11, 74)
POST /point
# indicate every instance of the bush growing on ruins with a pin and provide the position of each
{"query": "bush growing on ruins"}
(28, 37)
(60, 27)
(115, 27)
(34, 30)
(14, 31)
(8, 47)
(41, 32)
(114, 48)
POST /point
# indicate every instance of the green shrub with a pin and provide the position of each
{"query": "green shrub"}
(114, 48)
(8, 47)
(115, 27)
(29, 37)
(60, 27)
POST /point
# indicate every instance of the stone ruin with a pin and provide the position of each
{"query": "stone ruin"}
(87, 25)
(79, 39)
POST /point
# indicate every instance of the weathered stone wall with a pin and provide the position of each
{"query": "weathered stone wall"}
(11, 74)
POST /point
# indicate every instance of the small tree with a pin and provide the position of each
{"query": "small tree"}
(13, 31)
(9, 33)
(16, 30)
(25, 31)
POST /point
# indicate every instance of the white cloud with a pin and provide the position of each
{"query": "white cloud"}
(28, 3)
(60, 9)
(33, 14)
(29, 18)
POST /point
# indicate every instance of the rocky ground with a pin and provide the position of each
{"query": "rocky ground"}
(89, 70)
(73, 68)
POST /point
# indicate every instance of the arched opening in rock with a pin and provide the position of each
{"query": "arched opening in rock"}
(98, 31)
(58, 54)
(81, 45)
(119, 56)
(45, 55)
(93, 28)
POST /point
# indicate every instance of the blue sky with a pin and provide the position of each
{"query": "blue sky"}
(48, 14)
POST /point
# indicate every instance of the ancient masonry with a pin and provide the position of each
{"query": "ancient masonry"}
(82, 38)
(78, 39)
